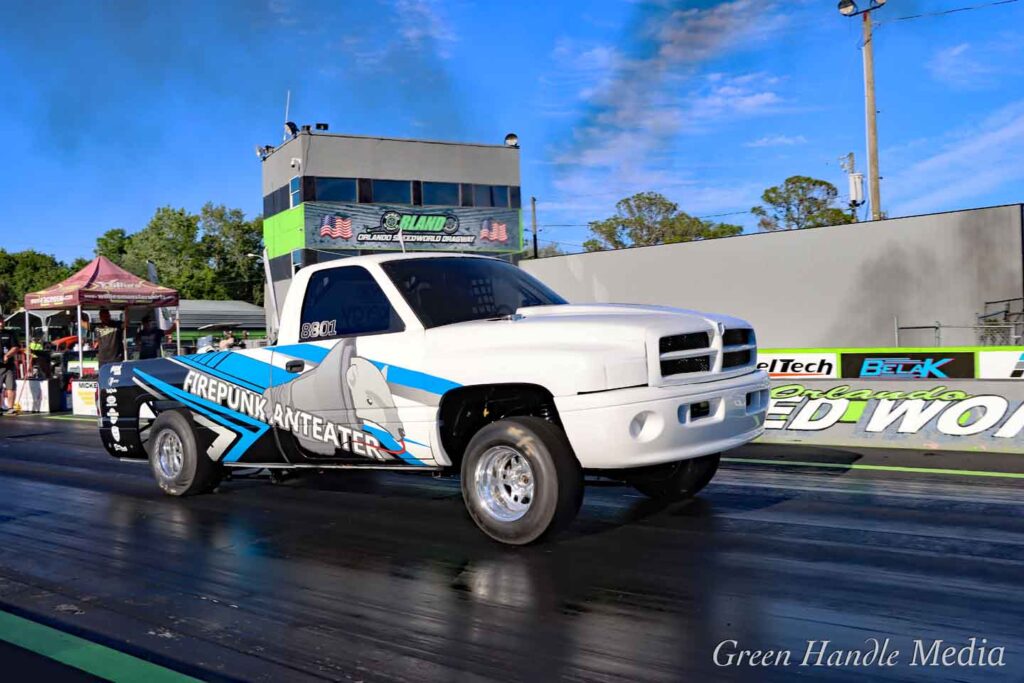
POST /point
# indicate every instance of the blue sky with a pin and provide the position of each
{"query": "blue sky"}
(112, 109)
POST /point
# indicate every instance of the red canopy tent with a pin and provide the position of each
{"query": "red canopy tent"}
(101, 283)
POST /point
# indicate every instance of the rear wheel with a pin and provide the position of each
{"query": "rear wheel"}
(677, 480)
(521, 480)
(178, 466)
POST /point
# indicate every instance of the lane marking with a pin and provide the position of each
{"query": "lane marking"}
(83, 654)
(70, 418)
(882, 468)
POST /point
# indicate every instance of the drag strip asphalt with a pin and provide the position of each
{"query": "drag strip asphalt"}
(378, 576)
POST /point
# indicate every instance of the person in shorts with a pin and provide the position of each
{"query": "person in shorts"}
(9, 349)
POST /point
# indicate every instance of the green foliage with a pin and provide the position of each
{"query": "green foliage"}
(650, 218)
(113, 244)
(800, 202)
(550, 249)
(230, 241)
(203, 256)
(27, 271)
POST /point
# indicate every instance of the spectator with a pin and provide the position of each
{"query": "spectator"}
(109, 339)
(149, 338)
(227, 342)
(10, 348)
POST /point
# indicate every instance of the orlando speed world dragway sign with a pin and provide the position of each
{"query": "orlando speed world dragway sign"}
(373, 226)
(964, 398)
(955, 415)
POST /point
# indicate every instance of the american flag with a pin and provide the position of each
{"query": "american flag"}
(337, 227)
(494, 231)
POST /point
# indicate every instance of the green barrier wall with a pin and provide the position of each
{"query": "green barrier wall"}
(951, 398)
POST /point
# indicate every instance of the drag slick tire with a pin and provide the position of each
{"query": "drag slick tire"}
(675, 481)
(520, 480)
(178, 466)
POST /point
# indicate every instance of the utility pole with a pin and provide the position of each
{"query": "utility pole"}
(856, 182)
(869, 103)
(533, 211)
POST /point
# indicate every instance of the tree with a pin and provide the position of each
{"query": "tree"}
(113, 244)
(78, 264)
(171, 241)
(205, 256)
(27, 271)
(233, 245)
(550, 249)
(800, 202)
(650, 218)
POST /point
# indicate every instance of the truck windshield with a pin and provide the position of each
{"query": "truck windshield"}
(442, 291)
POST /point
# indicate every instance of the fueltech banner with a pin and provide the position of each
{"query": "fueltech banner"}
(925, 364)
(952, 415)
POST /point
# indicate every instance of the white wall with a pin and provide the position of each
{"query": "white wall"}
(835, 286)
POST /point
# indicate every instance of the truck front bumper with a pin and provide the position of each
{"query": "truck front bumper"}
(653, 425)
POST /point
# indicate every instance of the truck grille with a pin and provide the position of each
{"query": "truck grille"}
(738, 348)
(678, 366)
(736, 337)
(696, 352)
(684, 342)
(734, 359)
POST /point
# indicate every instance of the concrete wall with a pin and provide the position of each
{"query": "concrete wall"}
(348, 156)
(835, 286)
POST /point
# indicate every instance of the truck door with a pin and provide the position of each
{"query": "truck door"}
(337, 408)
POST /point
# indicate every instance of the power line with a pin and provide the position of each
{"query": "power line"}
(718, 215)
(951, 11)
(587, 225)
(565, 244)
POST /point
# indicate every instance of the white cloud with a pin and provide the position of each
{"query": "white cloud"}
(642, 104)
(957, 66)
(777, 141)
(696, 35)
(969, 163)
(639, 106)
(420, 22)
(978, 66)
(418, 26)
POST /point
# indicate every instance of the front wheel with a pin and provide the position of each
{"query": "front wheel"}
(178, 466)
(521, 480)
(677, 480)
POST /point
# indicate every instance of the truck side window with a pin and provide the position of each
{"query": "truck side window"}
(346, 302)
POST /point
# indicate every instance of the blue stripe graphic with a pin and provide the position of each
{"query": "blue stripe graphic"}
(255, 371)
(389, 443)
(187, 360)
(416, 379)
(220, 355)
(310, 352)
(215, 412)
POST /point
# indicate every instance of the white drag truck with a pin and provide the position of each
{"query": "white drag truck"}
(449, 363)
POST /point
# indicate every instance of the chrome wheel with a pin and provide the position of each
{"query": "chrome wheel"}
(169, 454)
(504, 483)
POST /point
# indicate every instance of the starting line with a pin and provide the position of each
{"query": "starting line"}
(83, 654)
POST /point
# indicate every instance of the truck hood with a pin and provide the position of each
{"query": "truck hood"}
(629, 317)
(568, 348)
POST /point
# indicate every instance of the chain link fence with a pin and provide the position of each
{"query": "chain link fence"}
(1000, 324)
(996, 334)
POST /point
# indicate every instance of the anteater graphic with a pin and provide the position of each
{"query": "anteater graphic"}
(344, 389)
